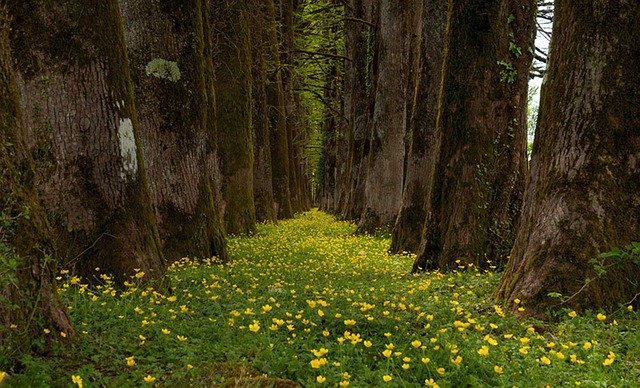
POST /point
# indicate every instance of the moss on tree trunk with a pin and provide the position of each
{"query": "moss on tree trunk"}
(479, 175)
(233, 113)
(582, 198)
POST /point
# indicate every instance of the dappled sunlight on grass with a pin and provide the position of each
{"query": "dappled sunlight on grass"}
(307, 301)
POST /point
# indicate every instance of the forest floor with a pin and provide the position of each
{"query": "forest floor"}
(306, 303)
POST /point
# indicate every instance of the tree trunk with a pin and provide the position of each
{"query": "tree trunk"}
(28, 301)
(232, 58)
(383, 189)
(82, 129)
(278, 120)
(422, 135)
(479, 175)
(582, 197)
(166, 47)
(262, 175)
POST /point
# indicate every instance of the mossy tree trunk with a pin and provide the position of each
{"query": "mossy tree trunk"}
(479, 175)
(359, 89)
(262, 174)
(278, 120)
(166, 46)
(584, 186)
(232, 59)
(383, 189)
(422, 135)
(81, 127)
(28, 301)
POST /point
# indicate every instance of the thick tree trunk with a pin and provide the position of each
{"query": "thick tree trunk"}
(28, 301)
(584, 187)
(262, 176)
(383, 189)
(232, 58)
(278, 120)
(422, 135)
(166, 48)
(479, 175)
(82, 128)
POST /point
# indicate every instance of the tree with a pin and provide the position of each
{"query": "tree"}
(262, 172)
(422, 134)
(383, 188)
(81, 128)
(166, 46)
(480, 168)
(232, 58)
(28, 301)
(582, 196)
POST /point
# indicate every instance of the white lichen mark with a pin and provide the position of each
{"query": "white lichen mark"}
(127, 148)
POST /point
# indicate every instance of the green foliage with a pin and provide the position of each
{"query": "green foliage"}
(309, 301)
(161, 68)
(508, 72)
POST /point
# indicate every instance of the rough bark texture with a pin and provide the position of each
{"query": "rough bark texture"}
(383, 189)
(232, 58)
(262, 175)
(278, 120)
(166, 47)
(583, 196)
(422, 137)
(82, 129)
(27, 286)
(480, 171)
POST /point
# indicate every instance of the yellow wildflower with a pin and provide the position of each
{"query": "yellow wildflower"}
(149, 379)
(387, 378)
(130, 361)
(484, 350)
(321, 379)
(498, 369)
(76, 379)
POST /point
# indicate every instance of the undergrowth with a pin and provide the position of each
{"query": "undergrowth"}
(306, 302)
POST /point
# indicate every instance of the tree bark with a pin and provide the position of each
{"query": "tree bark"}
(81, 127)
(582, 197)
(28, 300)
(479, 175)
(233, 113)
(165, 42)
(422, 134)
(278, 121)
(383, 189)
(262, 174)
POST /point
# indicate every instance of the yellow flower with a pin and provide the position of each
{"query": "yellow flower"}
(387, 378)
(368, 344)
(325, 333)
(46, 331)
(524, 350)
(406, 366)
(343, 383)
(587, 345)
(317, 363)
(320, 352)
(166, 331)
(425, 360)
(630, 308)
(607, 361)
(456, 360)
(545, 360)
(255, 326)
(441, 371)
(350, 322)
(266, 308)
(573, 314)
(149, 379)
(76, 380)
(387, 353)
(498, 369)
(601, 317)
(321, 379)
(431, 383)
(189, 366)
(320, 313)
(484, 350)
(416, 343)
(172, 298)
(181, 338)
(130, 361)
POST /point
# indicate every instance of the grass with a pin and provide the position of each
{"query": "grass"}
(305, 302)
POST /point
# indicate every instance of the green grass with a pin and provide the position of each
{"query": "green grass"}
(306, 301)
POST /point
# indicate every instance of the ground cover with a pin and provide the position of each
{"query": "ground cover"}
(306, 302)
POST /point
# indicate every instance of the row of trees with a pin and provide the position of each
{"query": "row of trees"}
(136, 133)
(434, 137)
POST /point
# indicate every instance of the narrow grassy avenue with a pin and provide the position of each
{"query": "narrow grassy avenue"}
(306, 302)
